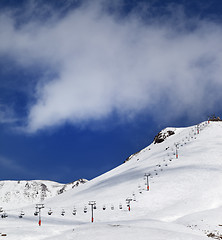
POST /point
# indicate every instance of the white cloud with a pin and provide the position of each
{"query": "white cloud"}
(105, 64)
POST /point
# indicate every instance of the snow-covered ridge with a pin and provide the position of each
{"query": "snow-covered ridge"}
(21, 193)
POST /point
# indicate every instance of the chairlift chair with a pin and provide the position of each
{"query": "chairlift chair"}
(63, 212)
(21, 214)
(85, 209)
(120, 206)
(104, 207)
(4, 215)
(112, 207)
(74, 211)
(50, 212)
(36, 213)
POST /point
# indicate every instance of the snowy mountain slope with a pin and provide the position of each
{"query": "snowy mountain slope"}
(21, 193)
(187, 177)
(183, 186)
(184, 200)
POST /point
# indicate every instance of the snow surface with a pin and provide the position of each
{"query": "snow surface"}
(184, 200)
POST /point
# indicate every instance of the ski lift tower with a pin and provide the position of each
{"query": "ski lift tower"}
(146, 175)
(128, 200)
(39, 206)
(93, 206)
(198, 128)
(177, 146)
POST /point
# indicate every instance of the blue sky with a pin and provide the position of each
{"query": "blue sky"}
(85, 84)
